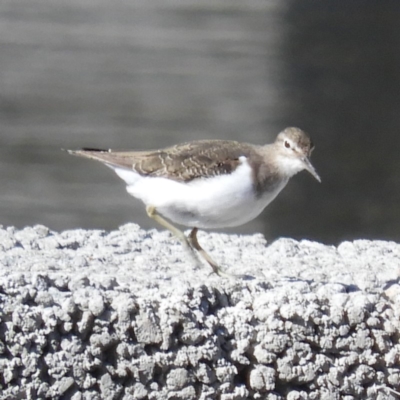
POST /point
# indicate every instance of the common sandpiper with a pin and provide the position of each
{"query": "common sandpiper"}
(209, 183)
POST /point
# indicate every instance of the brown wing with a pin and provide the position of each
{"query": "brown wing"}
(183, 162)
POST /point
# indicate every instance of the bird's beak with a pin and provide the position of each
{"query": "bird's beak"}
(308, 166)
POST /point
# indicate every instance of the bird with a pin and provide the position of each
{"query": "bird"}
(209, 184)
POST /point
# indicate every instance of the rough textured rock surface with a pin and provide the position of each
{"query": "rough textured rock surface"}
(127, 315)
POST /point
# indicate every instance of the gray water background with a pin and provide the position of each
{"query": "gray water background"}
(148, 74)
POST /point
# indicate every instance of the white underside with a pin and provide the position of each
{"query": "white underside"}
(221, 201)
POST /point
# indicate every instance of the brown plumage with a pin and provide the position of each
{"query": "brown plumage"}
(182, 163)
(204, 159)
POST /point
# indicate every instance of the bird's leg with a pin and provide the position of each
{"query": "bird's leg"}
(190, 243)
(152, 213)
(195, 244)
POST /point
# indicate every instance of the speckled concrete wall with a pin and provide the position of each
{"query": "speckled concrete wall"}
(125, 315)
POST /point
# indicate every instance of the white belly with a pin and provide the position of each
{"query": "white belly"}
(217, 202)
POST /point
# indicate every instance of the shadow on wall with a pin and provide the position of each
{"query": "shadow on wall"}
(342, 85)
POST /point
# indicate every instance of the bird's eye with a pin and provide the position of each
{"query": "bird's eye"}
(287, 144)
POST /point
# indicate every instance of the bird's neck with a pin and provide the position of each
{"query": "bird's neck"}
(269, 176)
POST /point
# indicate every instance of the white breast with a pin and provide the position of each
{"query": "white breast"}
(221, 201)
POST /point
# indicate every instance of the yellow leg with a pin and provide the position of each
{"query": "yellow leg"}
(190, 243)
(195, 244)
(152, 213)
